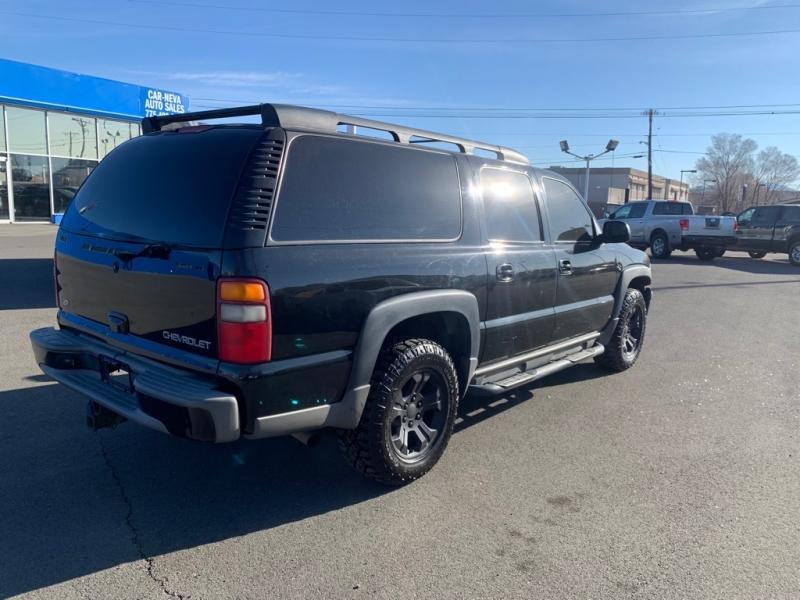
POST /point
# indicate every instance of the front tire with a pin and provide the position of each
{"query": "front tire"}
(409, 414)
(757, 254)
(659, 246)
(625, 345)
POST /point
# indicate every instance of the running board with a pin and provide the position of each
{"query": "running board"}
(523, 377)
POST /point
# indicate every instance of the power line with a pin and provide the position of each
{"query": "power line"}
(532, 115)
(434, 15)
(404, 40)
(511, 108)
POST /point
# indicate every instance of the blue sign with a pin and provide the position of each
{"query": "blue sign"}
(42, 87)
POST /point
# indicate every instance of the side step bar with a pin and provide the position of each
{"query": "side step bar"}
(523, 377)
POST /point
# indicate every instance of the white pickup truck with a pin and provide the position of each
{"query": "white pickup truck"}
(664, 226)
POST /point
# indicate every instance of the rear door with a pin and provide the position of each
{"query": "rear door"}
(522, 269)
(587, 271)
(786, 226)
(140, 245)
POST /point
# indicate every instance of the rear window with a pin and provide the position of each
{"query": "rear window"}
(166, 187)
(337, 189)
(672, 208)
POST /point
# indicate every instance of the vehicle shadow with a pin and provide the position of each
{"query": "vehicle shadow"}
(74, 502)
(776, 265)
(27, 283)
(477, 407)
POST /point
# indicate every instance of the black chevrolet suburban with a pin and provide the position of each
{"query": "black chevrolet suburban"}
(224, 281)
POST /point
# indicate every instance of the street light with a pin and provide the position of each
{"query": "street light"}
(610, 147)
(682, 172)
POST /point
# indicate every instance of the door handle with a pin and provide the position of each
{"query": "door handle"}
(504, 272)
(565, 267)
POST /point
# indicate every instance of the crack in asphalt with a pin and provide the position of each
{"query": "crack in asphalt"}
(148, 560)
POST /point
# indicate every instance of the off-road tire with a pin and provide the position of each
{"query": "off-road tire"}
(757, 255)
(369, 448)
(659, 246)
(615, 357)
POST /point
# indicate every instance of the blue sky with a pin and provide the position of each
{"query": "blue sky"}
(233, 58)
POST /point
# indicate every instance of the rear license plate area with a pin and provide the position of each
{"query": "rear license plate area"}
(712, 223)
(116, 374)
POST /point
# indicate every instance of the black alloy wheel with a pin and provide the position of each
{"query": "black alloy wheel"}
(419, 412)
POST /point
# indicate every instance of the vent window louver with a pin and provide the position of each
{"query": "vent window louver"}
(253, 202)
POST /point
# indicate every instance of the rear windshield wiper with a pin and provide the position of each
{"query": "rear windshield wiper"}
(154, 250)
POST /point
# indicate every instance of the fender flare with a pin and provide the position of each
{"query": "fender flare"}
(381, 319)
(628, 274)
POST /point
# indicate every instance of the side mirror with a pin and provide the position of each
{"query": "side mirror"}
(615, 232)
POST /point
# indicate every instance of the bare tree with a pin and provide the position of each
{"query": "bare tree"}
(773, 171)
(728, 161)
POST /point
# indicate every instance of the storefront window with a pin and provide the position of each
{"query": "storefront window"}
(68, 175)
(27, 133)
(3, 186)
(72, 135)
(113, 133)
(31, 187)
(2, 131)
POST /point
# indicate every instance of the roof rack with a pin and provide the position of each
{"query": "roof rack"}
(324, 121)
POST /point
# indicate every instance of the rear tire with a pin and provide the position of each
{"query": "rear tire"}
(659, 246)
(706, 254)
(409, 414)
(625, 345)
(720, 252)
(757, 254)
(794, 253)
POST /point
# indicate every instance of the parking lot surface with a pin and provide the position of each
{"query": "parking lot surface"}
(676, 479)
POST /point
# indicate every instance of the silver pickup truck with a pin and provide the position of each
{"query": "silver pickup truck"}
(664, 226)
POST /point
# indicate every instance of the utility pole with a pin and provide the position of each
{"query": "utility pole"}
(650, 154)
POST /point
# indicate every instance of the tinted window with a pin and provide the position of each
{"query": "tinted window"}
(340, 189)
(511, 211)
(631, 211)
(672, 208)
(170, 187)
(570, 220)
(638, 210)
(746, 215)
(765, 216)
(791, 214)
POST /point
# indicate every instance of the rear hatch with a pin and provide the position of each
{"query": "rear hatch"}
(140, 246)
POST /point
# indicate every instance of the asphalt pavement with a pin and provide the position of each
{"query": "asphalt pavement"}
(676, 479)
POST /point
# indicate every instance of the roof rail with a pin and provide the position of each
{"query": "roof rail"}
(324, 121)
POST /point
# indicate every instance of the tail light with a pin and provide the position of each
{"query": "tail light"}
(684, 224)
(56, 285)
(244, 321)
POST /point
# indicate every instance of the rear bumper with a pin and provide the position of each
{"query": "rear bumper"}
(155, 395)
(700, 241)
(182, 402)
